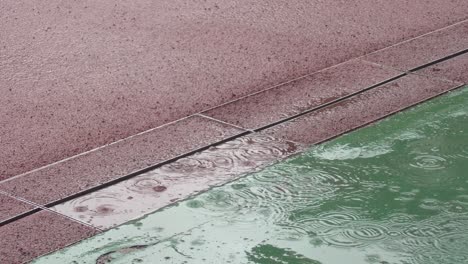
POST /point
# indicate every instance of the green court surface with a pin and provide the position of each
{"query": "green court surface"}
(393, 192)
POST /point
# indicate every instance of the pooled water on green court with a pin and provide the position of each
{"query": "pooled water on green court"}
(394, 192)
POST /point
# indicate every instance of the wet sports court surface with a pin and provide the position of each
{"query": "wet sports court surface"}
(114, 110)
(394, 192)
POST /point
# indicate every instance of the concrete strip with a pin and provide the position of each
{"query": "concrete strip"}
(117, 160)
(423, 50)
(360, 110)
(309, 92)
(455, 69)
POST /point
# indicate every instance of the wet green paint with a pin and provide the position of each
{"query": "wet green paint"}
(394, 192)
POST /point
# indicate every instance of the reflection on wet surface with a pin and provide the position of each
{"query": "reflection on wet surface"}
(175, 181)
(396, 192)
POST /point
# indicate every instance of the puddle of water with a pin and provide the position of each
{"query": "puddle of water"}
(395, 192)
(150, 191)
